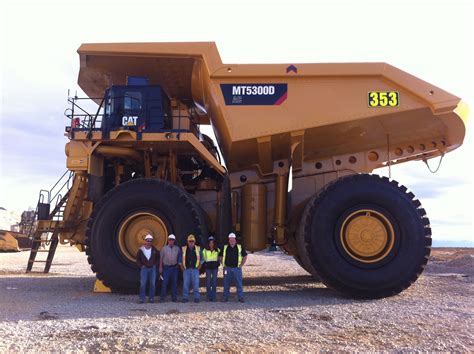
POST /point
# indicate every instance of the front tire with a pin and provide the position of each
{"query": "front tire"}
(125, 215)
(366, 236)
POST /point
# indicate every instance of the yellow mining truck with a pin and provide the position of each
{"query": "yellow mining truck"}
(299, 143)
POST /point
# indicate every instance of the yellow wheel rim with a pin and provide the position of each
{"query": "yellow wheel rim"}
(367, 236)
(133, 229)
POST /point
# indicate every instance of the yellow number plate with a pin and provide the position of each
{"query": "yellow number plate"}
(383, 99)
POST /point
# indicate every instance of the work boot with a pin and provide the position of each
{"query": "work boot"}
(196, 301)
(241, 299)
(151, 301)
(174, 299)
(184, 301)
(141, 301)
(224, 299)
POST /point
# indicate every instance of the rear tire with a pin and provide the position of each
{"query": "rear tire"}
(303, 258)
(366, 236)
(111, 260)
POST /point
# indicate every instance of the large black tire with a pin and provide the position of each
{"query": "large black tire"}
(176, 208)
(303, 258)
(397, 265)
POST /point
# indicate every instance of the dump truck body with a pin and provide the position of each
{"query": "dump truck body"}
(317, 129)
(329, 102)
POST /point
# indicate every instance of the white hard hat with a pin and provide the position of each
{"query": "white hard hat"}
(148, 237)
(232, 235)
(171, 236)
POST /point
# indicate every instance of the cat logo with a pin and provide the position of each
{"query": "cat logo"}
(129, 121)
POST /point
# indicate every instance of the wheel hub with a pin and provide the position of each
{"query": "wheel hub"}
(134, 228)
(367, 236)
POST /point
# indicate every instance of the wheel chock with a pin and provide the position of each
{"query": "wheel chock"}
(99, 287)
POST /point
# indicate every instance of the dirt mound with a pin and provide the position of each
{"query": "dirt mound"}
(463, 261)
(452, 261)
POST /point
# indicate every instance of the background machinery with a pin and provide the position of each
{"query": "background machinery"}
(299, 143)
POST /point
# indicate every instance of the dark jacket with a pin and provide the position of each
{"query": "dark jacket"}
(153, 261)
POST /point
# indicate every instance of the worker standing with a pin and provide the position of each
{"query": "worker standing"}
(148, 259)
(190, 264)
(233, 258)
(169, 268)
(210, 257)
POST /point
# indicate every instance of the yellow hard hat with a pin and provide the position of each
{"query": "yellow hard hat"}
(191, 237)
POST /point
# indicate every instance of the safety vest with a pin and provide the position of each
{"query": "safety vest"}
(198, 255)
(239, 250)
(210, 256)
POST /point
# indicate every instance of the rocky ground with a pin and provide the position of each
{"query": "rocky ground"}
(285, 311)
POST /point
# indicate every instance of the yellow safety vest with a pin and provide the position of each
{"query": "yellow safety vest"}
(210, 256)
(239, 261)
(198, 258)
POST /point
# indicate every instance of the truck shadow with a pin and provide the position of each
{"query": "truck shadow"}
(26, 297)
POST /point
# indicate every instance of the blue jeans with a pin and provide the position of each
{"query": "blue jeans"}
(233, 274)
(211, 283)
(191, 277)
(170, 275)
(147, 275)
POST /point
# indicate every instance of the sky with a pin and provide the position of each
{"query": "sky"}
(433, 40)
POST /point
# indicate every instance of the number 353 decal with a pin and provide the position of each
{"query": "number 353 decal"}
(383, 99)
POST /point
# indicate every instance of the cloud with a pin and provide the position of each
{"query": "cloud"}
(31, 150)
(436, 187)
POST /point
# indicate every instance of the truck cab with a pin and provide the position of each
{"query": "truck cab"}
(136, 107)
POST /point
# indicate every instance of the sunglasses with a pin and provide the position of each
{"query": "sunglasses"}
(190, 241)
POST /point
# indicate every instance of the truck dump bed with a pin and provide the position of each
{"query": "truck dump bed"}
(330, 109)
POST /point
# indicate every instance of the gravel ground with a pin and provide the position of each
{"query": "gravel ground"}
(284, 311)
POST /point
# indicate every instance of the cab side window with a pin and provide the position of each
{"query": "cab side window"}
(132, 100)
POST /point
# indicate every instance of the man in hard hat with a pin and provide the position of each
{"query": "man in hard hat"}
(210, 256)
(233, 257)
(169, 268)
(148, 259)
(190, 265)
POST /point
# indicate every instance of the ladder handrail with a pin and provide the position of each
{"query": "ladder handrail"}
(64, 186)
(46, 197)
(42, 194)
(59, 204)
(60, 178)
(92, 124)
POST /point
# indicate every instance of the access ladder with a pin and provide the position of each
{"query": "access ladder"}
(47, 225)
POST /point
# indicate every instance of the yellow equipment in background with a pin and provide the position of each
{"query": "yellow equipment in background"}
(8, 242)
